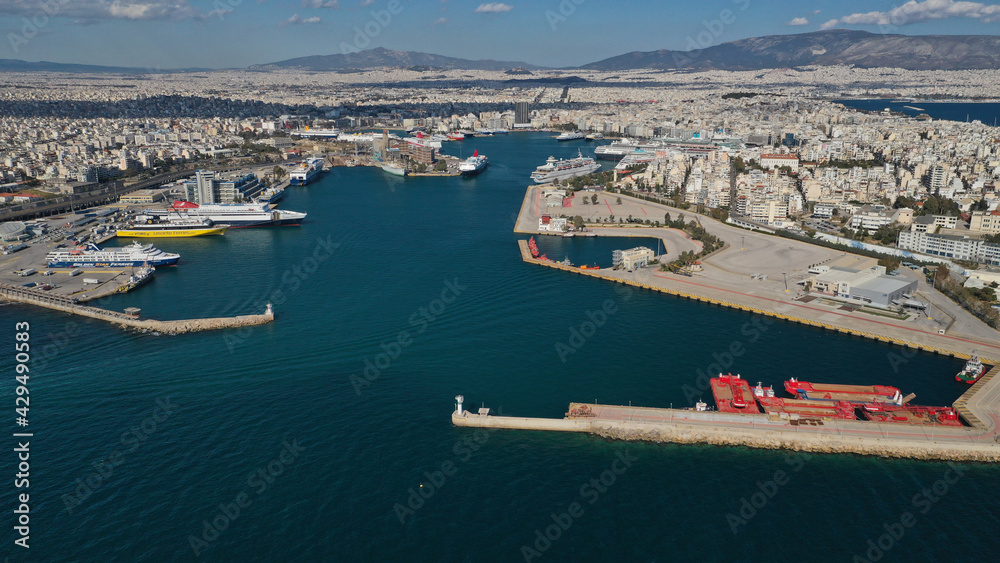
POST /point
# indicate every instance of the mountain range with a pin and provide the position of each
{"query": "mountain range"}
(823, 48)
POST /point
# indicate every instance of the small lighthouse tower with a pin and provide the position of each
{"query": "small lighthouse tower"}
(270, 310)
(458, 404)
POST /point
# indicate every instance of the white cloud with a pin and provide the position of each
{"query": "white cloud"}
(493, 8)
(440, 21)
(367, 2)
(333, 4)
(798, 21)
(298, 20)
(104, 9)
(915, 12)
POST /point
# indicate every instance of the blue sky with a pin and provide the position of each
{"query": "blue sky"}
(236, 33)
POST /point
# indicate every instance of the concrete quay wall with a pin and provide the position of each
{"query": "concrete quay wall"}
(938, 349)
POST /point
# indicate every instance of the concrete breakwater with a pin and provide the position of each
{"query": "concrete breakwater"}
(758, 431)
(67, 305)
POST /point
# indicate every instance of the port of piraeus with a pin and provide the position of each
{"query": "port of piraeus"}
(425, 297)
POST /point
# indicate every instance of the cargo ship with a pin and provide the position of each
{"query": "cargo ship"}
(841, 410)
(94, 257)
(152, 226)
(305, 172)
(473, 165)
(973, 370)
(563, 169)
(732, 394)
(236, 215)
(907, 414)
(849, 393)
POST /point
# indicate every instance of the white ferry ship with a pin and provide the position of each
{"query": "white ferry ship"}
(473, 165)
(93, 256)
(305, 172)
(571, 136)
(236, 215)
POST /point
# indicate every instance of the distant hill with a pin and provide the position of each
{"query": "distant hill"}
(381, 57)
(825, 48)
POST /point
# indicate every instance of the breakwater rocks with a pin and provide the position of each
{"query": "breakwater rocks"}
(984, 449)
(67, 305)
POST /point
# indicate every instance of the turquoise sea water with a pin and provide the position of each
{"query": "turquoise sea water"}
(428, 287)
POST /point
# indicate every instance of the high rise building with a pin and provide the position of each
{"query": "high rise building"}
(521, 114)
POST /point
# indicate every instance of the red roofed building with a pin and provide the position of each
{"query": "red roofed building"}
(771, 161)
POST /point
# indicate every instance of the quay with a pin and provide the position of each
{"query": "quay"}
(722, 284)
(68, 305)
(973, 443)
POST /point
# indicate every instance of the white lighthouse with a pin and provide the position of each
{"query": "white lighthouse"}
(458, 404)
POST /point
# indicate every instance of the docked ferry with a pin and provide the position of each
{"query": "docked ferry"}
(93, 256)
(236, 215)
(152, 226)
(305, 172)
(564, 169)
(473, 165)
(571, 136)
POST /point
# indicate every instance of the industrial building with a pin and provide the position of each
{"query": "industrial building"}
(632, 258)
(870, 285)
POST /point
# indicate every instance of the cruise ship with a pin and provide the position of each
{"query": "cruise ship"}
(306, 172)
(473, 165)
(236, 215)
(93, 256)
(571, 136)
(153, 226)
(563, 169)
(618, 150)
(638, 156)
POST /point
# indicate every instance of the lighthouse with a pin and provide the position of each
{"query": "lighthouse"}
(458, 404)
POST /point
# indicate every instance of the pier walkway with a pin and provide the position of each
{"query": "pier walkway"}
(69, 305)
(761, 431)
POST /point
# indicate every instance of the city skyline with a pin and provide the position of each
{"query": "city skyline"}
(156, 34)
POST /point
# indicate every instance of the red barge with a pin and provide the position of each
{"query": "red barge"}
(732, 394)
(808, 409)
(851, 393)
(937, 416)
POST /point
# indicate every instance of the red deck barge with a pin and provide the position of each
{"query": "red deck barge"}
(850, 393)
(907, 414)
(732, 394)
(810, 409)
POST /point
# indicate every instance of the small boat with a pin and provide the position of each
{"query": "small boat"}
(973, 370)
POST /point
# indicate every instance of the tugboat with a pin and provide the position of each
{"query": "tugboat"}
(973, 370)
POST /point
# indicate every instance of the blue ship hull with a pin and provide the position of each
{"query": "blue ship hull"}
(109, 264)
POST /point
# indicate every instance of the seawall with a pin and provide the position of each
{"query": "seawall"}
(66, 305)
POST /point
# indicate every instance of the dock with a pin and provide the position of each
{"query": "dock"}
(980, 442)
(69, 305)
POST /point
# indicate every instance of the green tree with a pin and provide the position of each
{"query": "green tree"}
(441, 165)
(619, 201)
(593, 199)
